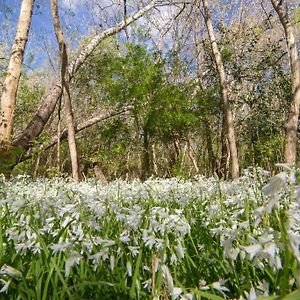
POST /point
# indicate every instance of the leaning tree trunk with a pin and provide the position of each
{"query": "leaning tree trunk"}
(224, 93)
(64, 134)
(10, 86)
(292, 122)
(66, 91)
(39, 120)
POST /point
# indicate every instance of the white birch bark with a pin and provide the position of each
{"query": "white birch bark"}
(10, 86)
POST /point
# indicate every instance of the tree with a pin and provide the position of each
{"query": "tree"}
(292, 122)
(39, 120)
(65, 78)
(229, 122)
(10, 86)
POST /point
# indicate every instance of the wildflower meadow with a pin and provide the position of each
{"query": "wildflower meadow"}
(159, 239)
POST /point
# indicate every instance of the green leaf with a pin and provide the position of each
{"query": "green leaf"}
(209, 296)
(293, 296)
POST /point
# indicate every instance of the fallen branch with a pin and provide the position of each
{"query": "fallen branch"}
(85, 125)
(64, 134)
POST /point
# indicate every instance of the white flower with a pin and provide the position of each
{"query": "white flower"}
(218, 285)
(105, 243)
(129, 268)
(276, 183)
(264, 288)
(147, 284)
(72, 260)
(112, 262)
(124, 238)
(10, 271)
(176, 292)
(253, 250)
(5, 285)
(168, 277)
(134, 250)
(251, 295)
(278, 262)
(173, 258)
(149, 241)
(60, 247)
(187, 296)
(202, 283)
(103, 254)
(66, 221)
(257, 215)
(179, 251)
(271, 250)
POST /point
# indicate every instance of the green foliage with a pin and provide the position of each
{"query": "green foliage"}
(8, 159)
(161, 109)
(227, 54)
(269, 151)
(29, 96)
(173, 100)
(296, 17)
(171, 113)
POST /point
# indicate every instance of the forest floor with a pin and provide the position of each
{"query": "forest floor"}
(201, 238)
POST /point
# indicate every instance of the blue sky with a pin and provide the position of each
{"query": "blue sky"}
(42, 41)
(77, 21)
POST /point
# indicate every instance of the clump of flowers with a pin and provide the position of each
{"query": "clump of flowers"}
(183, 239)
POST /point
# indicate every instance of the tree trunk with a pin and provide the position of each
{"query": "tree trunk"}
(207, 129)
(222, 164)
(71, 136)
(36, 166)
(66, 91)
(145, 155)
(209, 145)
(154, 159)
(36, 126)
(98, 172)
(10, 86)
(292, 122)
(224, 93)
(59, 134)
(192, 157)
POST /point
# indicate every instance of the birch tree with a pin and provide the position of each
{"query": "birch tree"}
(10, 86)
(292, 122)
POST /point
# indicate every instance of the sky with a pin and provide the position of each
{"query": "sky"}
(42, 42)
(79, 18)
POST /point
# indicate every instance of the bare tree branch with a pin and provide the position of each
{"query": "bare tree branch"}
(86, 124)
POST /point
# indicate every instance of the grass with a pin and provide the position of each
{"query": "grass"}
(161, 239)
